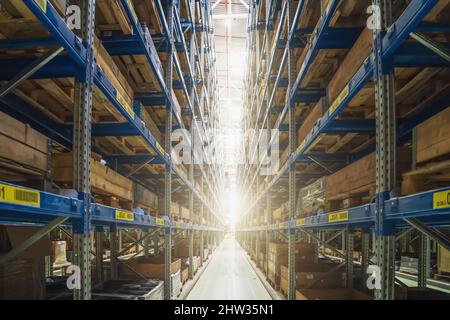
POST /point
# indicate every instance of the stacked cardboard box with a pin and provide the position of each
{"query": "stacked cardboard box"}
(313, 276)
(277, 256)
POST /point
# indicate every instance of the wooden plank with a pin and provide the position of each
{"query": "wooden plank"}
(433, 137)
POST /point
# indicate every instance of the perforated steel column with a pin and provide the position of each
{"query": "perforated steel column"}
(424, 260)
(385, 154)
(292, 148)
(349, 257)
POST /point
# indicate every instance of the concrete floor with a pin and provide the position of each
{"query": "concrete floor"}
(229, 276)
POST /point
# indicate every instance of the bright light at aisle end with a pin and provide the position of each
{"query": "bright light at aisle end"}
(232, 204)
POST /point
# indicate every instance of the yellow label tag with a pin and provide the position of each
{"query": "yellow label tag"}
(339, 99)
(160, 222)
(300, 222)
(441, 200)
(124, 104)
(177, 225)
(338, 216)
(130, 5)
(124, 215)
(300, 148)
(42, 4)
(19, 195)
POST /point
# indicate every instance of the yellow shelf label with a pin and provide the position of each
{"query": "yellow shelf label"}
(42, 4)
(124, 215)
(177, 225)
(160, 148)
(133, 12)
(441, 200)
(160, 222)
(124, 104)
(338, 216)
(344, 94)
(19, 195)
(300, 222)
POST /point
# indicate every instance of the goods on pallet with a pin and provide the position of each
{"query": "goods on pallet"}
(152, 289)
(23, 279)
(23, 150)
(104, 180)
(142, 197)
(177, 284)
(310, 121)
(184, 213)
(350, 65)
(409, 264)
(150, 267)
(114, 75)
(443, 259)
(311, 199)
(433, 148)
(59, 254)
(181, 248)
(331, 294)
(433, 137)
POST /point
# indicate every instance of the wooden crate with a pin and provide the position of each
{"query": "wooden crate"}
(306, 274)
(433, 137)
(22, 149)
(151, 267)
(311, 199)
(350, 65)
(331, 294)
(104, 181)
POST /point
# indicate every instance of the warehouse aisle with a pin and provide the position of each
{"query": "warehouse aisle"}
(229, 276)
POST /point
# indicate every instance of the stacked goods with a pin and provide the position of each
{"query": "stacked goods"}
(185, 214)
(124, 92)
(144, 198)
(433, 150)
(312, 276)
(151, 267)
(277, 256)
(443, 259)
(104, 181)
(184, 275)
(22, 149)
(276, 215)
(182, 248)
(409, 265)
(310, 121)
(174, 209)
(331, 294)
(281, 214)
(311, 199)
(359, 177)
(23, 277)
(177, 284)
(350, 65)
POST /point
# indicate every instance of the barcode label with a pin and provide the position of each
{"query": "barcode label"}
(19, 195)
(160, 222)
(338, 217)
(124, 215)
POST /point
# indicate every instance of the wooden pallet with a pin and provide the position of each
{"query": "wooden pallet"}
(431, 176)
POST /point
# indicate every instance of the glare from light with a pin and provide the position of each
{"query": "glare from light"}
(228, 22)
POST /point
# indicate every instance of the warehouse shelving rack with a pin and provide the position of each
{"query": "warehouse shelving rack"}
(81, 214)
(387, 213)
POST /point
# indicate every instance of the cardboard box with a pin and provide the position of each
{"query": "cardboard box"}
(331, 294)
